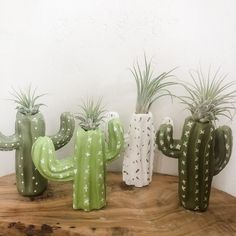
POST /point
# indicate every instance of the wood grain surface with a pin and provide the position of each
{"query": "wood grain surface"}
(152, 210)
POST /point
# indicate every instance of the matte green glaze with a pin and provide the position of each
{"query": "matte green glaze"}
(28, 128)
(86, 167)
(203, 152)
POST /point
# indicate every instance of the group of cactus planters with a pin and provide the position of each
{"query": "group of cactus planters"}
(203, 150)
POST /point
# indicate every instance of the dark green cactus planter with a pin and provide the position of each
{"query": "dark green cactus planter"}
(87, 167)
(203, 152)
(28, 128)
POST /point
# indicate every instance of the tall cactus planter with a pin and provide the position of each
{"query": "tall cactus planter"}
(87, 167)
(139, 152)
(203, 152)
(28, 128)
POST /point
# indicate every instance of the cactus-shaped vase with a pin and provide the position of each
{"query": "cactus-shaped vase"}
(139, 151)
(86, 167)
(202, 152)
(28, 128)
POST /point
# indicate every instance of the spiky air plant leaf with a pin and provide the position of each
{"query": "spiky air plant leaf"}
(149, 87)
(27, 101)
(209, 96)
(91, 114)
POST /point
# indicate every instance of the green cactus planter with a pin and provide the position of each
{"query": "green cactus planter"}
(28, 128)
(87, 167)
(203, 152)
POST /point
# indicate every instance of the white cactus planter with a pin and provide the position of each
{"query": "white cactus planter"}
(139, 153)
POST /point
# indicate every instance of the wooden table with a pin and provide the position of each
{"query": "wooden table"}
(151, 210)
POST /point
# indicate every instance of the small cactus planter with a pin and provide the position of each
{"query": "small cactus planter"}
(203, 151)
(139, 152)
(86, 168)
(28, 128)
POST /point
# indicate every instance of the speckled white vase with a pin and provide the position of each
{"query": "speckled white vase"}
(139, 152)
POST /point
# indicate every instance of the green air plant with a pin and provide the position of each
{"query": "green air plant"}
(91, 114)
(29, 126)
(87, 166)
(139, 153)
(150, 87)
(204, 150)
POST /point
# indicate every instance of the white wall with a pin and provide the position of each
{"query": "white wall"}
(71, 49)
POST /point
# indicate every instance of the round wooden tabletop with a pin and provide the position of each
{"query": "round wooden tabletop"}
(151, 210)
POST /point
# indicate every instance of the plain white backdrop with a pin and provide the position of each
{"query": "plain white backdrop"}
(73, 49)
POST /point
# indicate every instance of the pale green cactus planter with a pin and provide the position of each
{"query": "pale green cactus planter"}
(86, 168)
(28, 128)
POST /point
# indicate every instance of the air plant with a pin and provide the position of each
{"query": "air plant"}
(209, 97)
(26, 101)
(149, 87)
(91, 114)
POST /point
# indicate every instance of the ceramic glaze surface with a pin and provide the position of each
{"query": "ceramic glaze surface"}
(28, 128)
(139, 152)
(86, 167)
(202, 152)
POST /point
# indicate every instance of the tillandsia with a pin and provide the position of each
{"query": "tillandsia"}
(150, 87)
(29, 126)
(91, 114)
(203, 150)
(209, 96)
(26, 101)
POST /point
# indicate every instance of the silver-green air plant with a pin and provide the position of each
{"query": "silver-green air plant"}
(149, 87)
(27, 101)
(91, 114)
(209, 96)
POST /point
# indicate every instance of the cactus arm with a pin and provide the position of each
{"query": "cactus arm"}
(63, 136)
(166, 144)
(116, 139)
(223, 147)
(43, 155)
(9, 143)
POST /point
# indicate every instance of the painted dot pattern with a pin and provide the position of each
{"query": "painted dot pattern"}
(86, 167)
(196, 169)
(139, 153)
